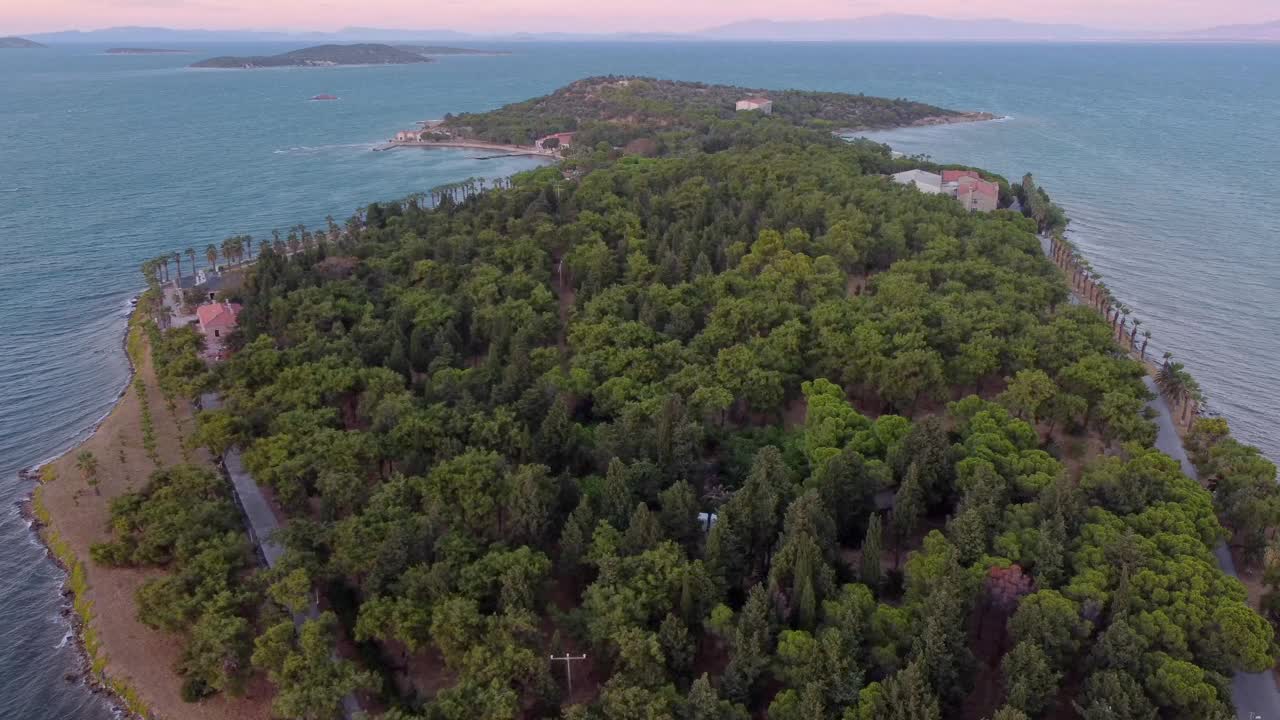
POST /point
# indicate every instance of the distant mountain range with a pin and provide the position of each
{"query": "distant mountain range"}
(903, 27)
(1263, 32)
(890, 27)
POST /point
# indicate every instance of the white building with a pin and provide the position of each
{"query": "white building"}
(923, 180)
(764, 105)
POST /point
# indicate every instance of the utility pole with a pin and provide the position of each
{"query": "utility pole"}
(568, 659)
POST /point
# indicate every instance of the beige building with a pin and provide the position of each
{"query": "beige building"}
(764, 105)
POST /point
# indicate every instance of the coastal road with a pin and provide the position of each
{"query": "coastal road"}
(262, 526)
(1255, 694)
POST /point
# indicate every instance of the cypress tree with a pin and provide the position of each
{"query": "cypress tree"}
(870, 571)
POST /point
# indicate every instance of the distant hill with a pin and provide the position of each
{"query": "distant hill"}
(435, 50)
(901, 27)
(1261, 32)
(623, 108)
(321, 56)
(14, 43)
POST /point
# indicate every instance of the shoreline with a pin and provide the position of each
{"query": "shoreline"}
(510, 150)
(121, 659)
(931, 121)
(38, 518)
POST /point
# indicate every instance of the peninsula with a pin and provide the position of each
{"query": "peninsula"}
(16, 43)
(321, 56)
(713, 409)
(145, 51)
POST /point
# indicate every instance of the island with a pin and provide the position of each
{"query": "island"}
(145, 51)
(321, 56)
(434, 50)
(718, 416)
(17, 43)
(630, 107)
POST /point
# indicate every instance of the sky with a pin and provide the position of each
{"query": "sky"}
(18, 16)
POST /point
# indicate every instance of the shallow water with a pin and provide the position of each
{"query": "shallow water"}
(1165, 157)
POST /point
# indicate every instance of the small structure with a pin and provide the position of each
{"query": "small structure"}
(966, 186)
(923, 180)
(763, 104)
(554, 141)
(408, 136)
(217, 319)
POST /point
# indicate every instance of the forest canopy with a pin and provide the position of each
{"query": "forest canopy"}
(754, 429)
(624, 103)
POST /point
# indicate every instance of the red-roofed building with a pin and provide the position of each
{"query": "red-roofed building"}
(974, 193)
(562, 140)
(217, 319)
(955, 175)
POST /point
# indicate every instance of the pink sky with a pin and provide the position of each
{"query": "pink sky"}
(17, 16)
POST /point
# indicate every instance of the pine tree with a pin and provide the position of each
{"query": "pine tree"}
(678, 515)
(642, 532)
(576, 537)
(872, 550)
(616, 500)
(752, 647)
(908, 505)
(943, 647)
(555, 436)
(905, 695)
(677, 646)
(1029, 678)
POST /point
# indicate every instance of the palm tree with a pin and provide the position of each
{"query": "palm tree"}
(1146, 338)
(87, 464)
(191, 255)
(1124, 310)
(211, 253)
(177, 258)
(164, 263)
(1133, 336)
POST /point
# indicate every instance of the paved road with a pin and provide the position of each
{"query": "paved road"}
(262, 526)
(1255, 694)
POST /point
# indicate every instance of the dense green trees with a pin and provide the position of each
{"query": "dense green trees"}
(647, 408)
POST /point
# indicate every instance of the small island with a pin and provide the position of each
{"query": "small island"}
(321, 56)
(16, 43)
(145, 51)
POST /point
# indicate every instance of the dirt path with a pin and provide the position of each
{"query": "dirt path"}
(136, 655)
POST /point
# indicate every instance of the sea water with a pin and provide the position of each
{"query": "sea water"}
(1165, 156)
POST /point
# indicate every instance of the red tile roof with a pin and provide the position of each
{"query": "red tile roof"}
(954, 175)
(217, 315)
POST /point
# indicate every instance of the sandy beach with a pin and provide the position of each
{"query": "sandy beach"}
(136, 662)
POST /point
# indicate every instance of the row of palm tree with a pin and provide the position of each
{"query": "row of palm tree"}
(1172, 378)
(1176, 383)
(1089, 287)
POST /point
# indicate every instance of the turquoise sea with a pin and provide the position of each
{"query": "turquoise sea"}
(1165, 156)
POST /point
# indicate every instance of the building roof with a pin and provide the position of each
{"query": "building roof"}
(954, 175)
(218, 315)
(756, 100)
(981, 187)
(922, 179)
